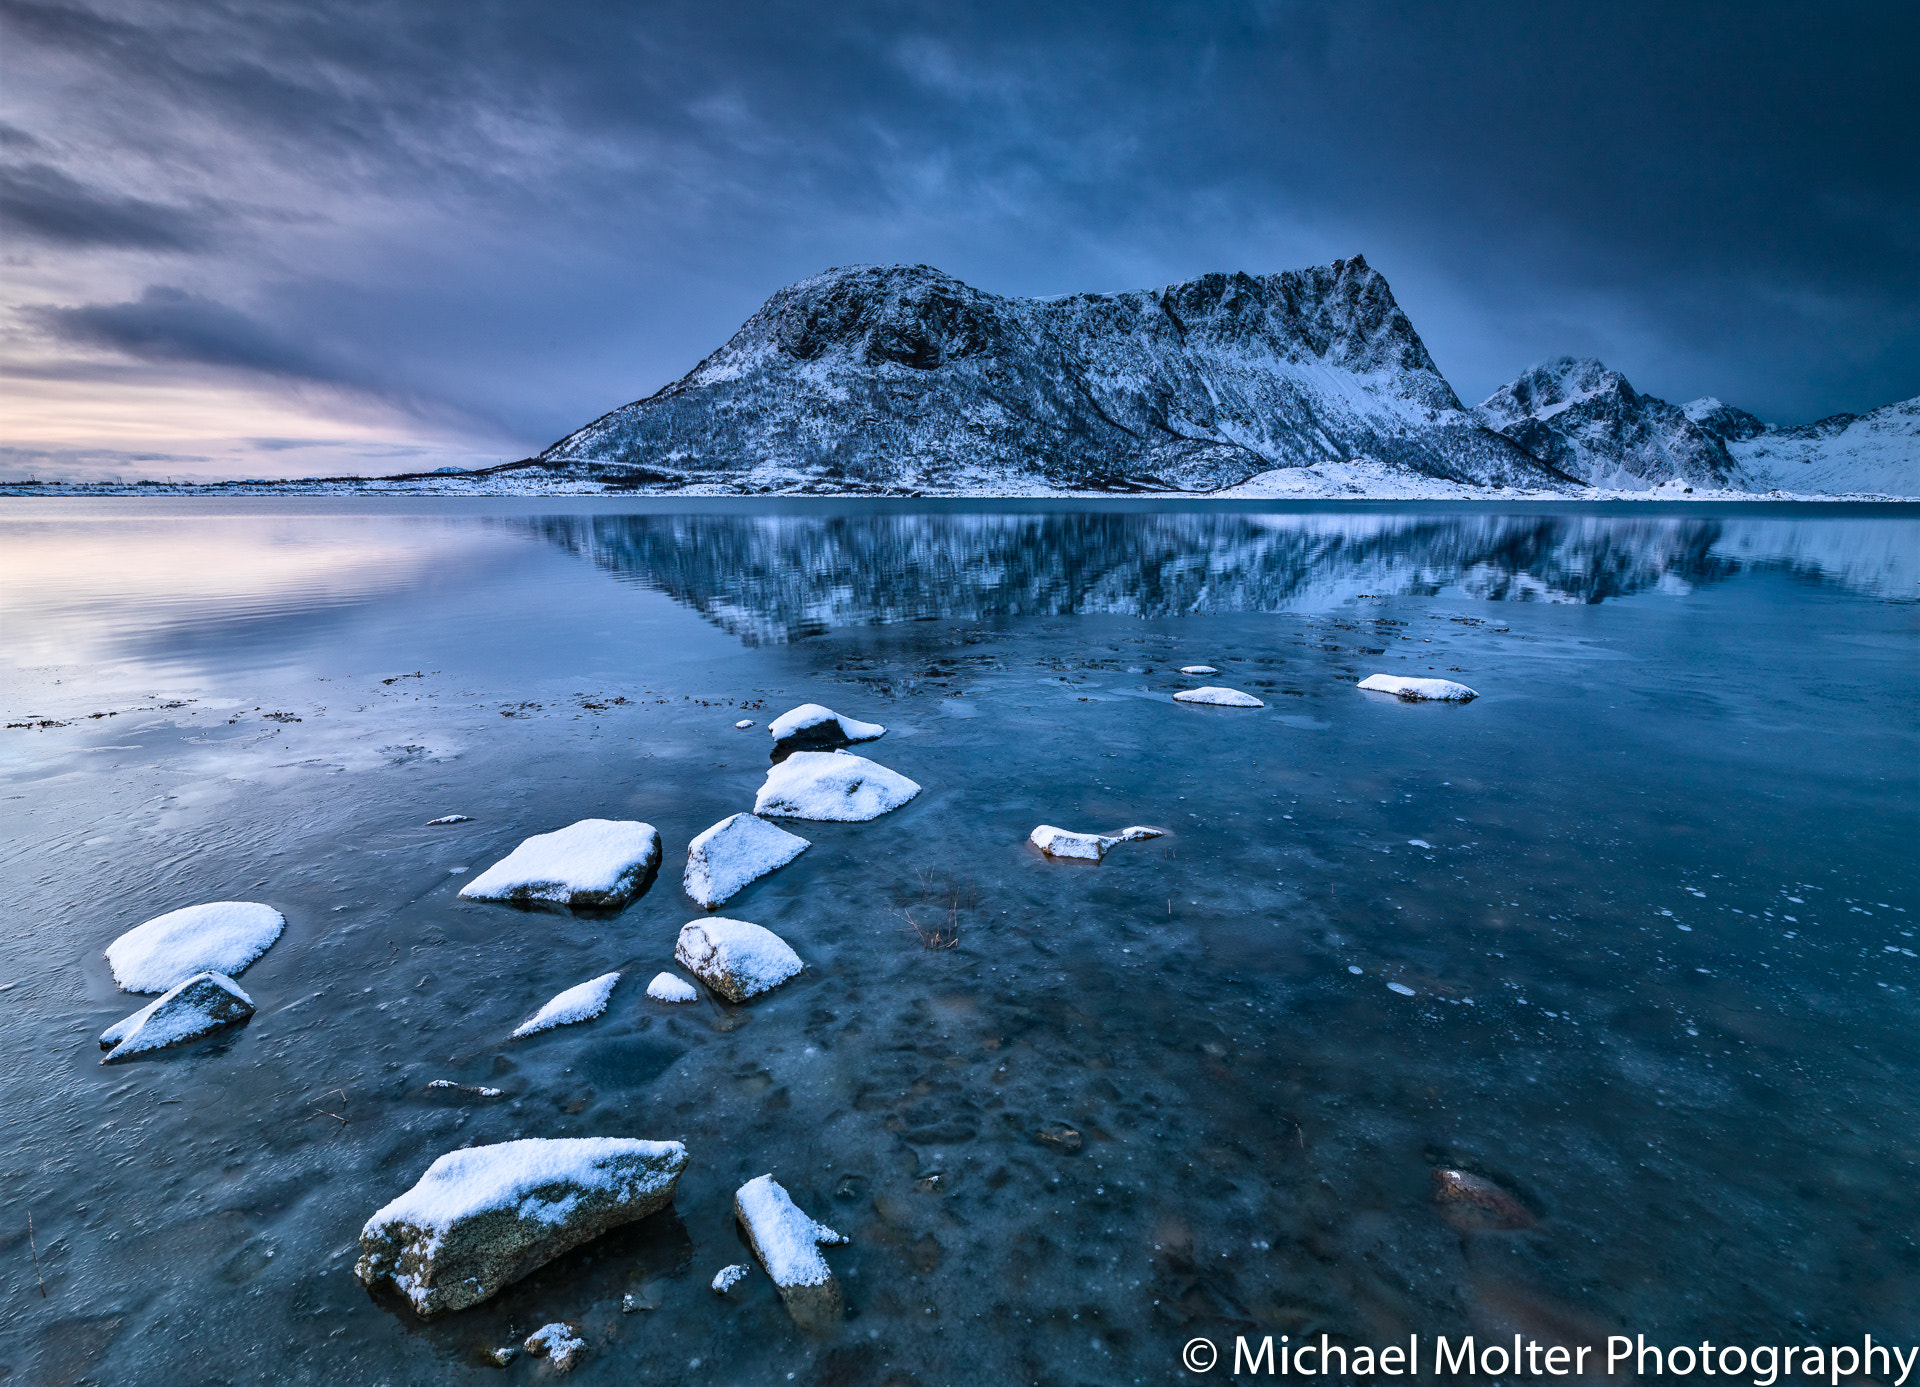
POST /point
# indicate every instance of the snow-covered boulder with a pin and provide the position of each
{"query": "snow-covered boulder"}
(665, 987)
(559, 1343)
(734, 853)
(736, 959)
(744, 723)
(1418, 690)
(1198, 669)
(832, 785)
(596, 864)
(484, 1216)
(788, 1245)
(581, 1003)
(1219, 698)
(218, 937)
(813, 726)
(199, 1006)
(449, 819)
(728, 1277)
(1085, 847)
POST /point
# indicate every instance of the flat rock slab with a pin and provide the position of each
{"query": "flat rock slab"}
(596, 864)
(788, 1245)
(1219, 698)
(201, 1005)
(1418, 690)
(579, 1003)
(816, 726)
(832, 786)
(483, 1217)
(736, 959)
(733, 854)
(218, 937)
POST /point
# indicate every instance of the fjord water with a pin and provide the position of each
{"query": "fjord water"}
(1652, 895)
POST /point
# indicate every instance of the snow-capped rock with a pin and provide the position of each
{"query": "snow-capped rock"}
(743, 724)
(197, 1007)
(217, 937)
(1590, 423)
(815, 727)
(1219, 698)
(728, 1277)
(833, 786)
(665, 987)
(734, 853)
(559, 1343)
(598, 864)
(449, 819)
(1418, 690)
(580, 1003)
(1198, 669)
(482, 1217)
(1085, 847)
(736, 959)
(788, 1244)
(899, 376)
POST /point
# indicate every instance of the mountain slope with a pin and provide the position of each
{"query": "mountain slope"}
(1877, 452)
(904, 377)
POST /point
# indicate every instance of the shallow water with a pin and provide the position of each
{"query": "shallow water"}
(1660, 938)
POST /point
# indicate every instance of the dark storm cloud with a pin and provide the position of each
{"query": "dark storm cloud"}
(46, 204)
(536, 212)
(166, 324)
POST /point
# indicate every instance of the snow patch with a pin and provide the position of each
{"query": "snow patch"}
(581, 1003)
(665, 987)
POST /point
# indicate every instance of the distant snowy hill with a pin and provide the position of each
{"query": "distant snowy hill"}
(903, 378)
(1589, 422)
(1846, 452)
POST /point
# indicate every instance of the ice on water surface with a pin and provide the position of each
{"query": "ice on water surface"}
(1186, 1011)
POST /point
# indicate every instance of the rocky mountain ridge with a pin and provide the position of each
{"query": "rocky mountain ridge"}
(901, 377)
(1589, 422)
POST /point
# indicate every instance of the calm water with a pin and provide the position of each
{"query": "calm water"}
(1661, 941)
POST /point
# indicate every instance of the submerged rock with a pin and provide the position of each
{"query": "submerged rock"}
(595, 864)
(733, 854)
(1418, 690)
(1219, 698)
(788, 1245)
(450, 1087)
(558, 1343)
(483, 1217)
(736, 959)
(815, 727)
(581, 1003)
(1476, 1205)
(832, 785)
(199, 1006)
(1060, 1137)
(218, 937)
(665, 987)
(727, 1278)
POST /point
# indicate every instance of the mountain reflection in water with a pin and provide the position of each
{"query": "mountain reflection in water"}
(774, 578)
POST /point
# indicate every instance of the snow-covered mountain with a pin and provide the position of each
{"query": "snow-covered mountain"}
(1591, 423)
(903, 378)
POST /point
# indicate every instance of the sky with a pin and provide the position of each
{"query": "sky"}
(270, 239)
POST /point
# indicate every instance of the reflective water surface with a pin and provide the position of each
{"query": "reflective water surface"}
(1652, 895)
